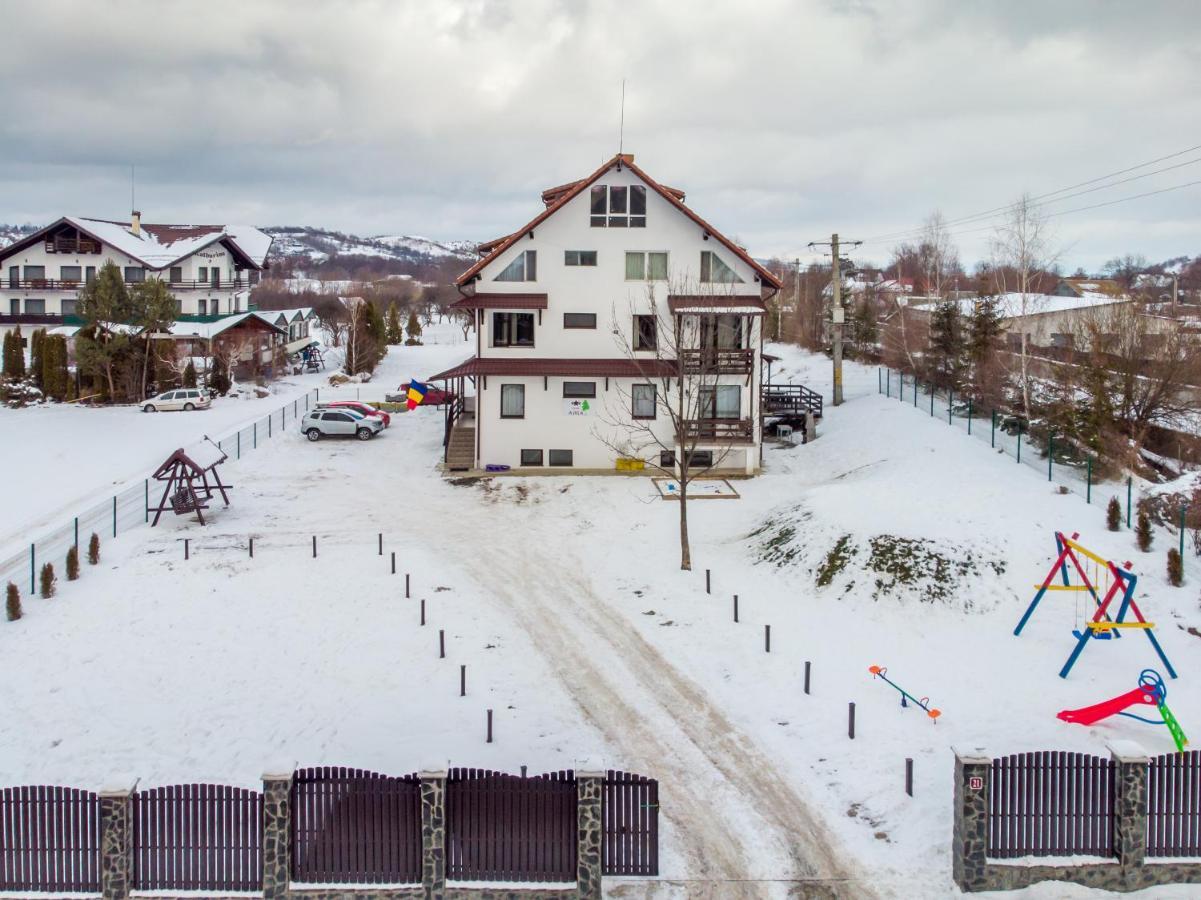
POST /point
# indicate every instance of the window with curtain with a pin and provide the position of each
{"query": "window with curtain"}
(714, 270)
(70, 273)
(723, 401)
(523, 268)
(722, 331)
(134, 274)
(512, 329)
(643, 397)
(512, 401)
(579, 257)
(646, 266)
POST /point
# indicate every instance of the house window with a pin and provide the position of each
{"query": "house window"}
(176, 275)
(203, 306)
(560, 457)
(68, 307)
(35, 273)
(715, 271)
(618, 206)
(723, 401)
(215, 307)
(700, 459)
(134, 274)
(202, 273)
(512, 329)
(90, 274)
(531, 457)
(216, 273)
(14, 276)
(579, 320)
(646, 336)
(643, 396)
(578, 389)
(35, 307)
(646, 267)
(524, 268)
(14, 307)
(579, 257)
(667, 460)
(512, 401)
(721, 332)
(73, 274)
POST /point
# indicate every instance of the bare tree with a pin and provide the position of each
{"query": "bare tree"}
(937, 254)
(1022, 251)
(677, 407)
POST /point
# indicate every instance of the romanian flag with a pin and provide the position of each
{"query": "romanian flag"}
(416, 393)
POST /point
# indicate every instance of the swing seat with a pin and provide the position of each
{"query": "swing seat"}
(1109, 626)
(182, 502)
(1095, 634)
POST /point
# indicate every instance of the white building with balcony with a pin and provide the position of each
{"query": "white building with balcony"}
(210, 269)
(570, 310)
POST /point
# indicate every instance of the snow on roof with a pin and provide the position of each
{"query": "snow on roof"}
(209, 330)
(1013, 305)
(158, 246)
(204, 453)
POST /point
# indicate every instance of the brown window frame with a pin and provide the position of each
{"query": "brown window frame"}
(654, 402)
(579, 396)
(654, 345)
(550, 459)
(591, 327)
(537, 464)
(502, 401)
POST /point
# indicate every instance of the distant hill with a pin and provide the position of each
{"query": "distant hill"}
(320, 245)
(10, 234)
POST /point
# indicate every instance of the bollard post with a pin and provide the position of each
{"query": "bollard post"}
(407, 586)
(807, 667)
(422, 612)
(909, 776)
(969, 415)
(1050, 453)
(252, 546)
(1088, 496)
(707, 591)
(489, 726)
(381, 543)
(441, 643)
(767, 639)
(1129, 499)
(735, 607)
(255, 433)
(185, 548)
(1182, 510)
(463, 681)
(950, 402)
(393, 562)
(114, 515)
(851, 721)
(993, 439)
(314, 546)
(1019, 441)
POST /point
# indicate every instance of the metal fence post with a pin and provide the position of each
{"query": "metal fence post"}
(879, 379)
(254, 435)
(77, 531)
(969, 415)
(1129, 497)
(950, 403)
(1182, 510)
(146, 482)
(114, 515)
(994, 429)
(888, 385)
(33, 581)
(269, 425)
(239, 445)
(915, 392)
(1050, 453)
(1019, 441)
(1088, 497)
(931, 398)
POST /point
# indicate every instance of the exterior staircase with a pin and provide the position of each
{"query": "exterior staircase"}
(460, 446)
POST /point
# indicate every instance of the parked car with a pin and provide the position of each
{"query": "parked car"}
(319, 423)
(365, 409)
(184, 398)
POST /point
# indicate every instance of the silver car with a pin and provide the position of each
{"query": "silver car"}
(184, 398)
(319, 423)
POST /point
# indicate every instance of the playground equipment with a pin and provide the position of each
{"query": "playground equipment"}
(1120, 581)
(924, 703)
(186, 474)
(1150, 691)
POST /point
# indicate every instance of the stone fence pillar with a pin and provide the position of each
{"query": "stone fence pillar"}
(969, 838)
(277, 838)
(116, 843)
(588, 833)
(433, 832)
(1130, 803)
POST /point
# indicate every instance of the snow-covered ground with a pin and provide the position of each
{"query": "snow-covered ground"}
(563, 597)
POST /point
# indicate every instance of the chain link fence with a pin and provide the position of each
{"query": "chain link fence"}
(128, 509)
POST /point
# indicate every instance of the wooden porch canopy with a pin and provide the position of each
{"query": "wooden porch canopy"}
(584, 368)
(716, 303)
(186, 473)
(501, 301)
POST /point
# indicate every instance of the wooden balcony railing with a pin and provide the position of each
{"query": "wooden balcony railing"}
(719, 431)
(57, 284)
(718, 361)
(72, 245)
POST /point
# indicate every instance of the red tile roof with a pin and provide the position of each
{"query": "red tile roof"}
(677, 302)
(572, 190)
(501, 301)
(530, 365)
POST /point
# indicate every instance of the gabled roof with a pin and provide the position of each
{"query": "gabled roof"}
(160, 246)
(575, 189)
(209, 330)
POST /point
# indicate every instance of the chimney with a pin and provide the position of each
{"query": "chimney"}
(135, 224)
(626, 157)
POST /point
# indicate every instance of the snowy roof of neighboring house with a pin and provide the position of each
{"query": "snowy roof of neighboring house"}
(1014, 305)
(289, 315)
(1106, 287)
(714, 303)
(158, 246)
(209, 330)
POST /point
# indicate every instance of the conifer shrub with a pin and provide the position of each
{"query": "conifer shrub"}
(12, 603)
(47, 581)
(1142, 531)
(73, 564)
(1113, 514)
(1175, 568)
(189, 375)
(94, 549)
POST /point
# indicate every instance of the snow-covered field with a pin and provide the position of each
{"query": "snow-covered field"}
(563, 597)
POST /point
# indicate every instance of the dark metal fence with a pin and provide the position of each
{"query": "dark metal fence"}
(49, 839)
(630, 816)
(1174, 805)
(1051, 803)
(508, 828)
(349, 825)
(191, 837)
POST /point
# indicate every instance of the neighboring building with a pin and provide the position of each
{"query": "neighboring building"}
(565, 310)
(210, 269)
(295, 325)
(1089, 288)
(247, 340)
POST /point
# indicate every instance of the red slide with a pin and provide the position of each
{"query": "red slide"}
(1103, 710)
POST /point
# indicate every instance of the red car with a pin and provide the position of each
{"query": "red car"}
(433, 396)
(365, 409)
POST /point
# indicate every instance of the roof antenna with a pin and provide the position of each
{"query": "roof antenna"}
(621, 129)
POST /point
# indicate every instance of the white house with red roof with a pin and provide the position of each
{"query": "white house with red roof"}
(209, 268)
(569, 310)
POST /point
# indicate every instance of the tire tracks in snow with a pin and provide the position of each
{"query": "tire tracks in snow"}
(663, 724)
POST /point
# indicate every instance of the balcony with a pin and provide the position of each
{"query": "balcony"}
(51, 320)
(72, 245)
(718, 361)
(718, 431)
(55, 284)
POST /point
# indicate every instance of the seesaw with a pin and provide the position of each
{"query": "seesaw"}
(924, 703)
(1151, 691)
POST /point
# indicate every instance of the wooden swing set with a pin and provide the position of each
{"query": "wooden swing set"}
(1119, 582)
(186, 474)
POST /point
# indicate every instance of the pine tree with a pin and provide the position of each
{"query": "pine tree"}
(56, 380)
(189, 375)
(946, 350)
(395, 332)
(47, 581)
(1142, 531)
(14, 355)
(219, 377)
(73, 564)
(94, 549)
(1175, 568)
(1113, 514)
(100, 348)
(12, 603)
(37, 357)
(414, 329)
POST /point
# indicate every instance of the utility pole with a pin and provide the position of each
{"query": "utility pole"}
(837, 313)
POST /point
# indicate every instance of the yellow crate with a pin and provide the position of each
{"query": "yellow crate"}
(624, 464)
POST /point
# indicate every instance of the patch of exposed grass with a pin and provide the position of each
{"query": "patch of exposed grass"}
(836, 560)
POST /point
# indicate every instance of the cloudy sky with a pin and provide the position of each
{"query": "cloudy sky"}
(784, 121)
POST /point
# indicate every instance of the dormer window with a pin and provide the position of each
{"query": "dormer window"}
(523, 268)
(714, 270)
(618, 206)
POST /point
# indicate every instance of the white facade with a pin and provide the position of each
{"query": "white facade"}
(564, 347)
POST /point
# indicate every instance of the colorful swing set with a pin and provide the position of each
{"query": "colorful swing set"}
(1101, 627)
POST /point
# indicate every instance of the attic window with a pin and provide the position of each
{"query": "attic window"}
(618, 206)
(715, 271)
(523, 268)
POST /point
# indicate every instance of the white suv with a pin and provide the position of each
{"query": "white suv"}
(185, 398)
(332, 421)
